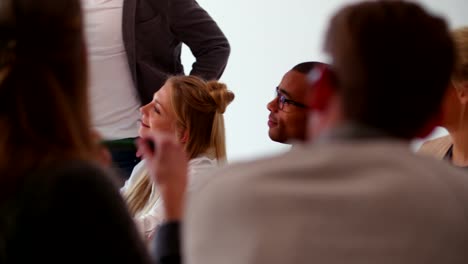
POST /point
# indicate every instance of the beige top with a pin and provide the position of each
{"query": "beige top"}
(344, 202)
(436, 148)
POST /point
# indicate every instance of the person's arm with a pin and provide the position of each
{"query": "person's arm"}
(192, 25)
(167, 244)
(167, 165)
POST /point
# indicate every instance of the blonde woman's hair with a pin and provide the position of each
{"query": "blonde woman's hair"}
(197, 105)
(460, 37)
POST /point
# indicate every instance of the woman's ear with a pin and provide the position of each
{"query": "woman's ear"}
(462, 91)
(184, 136)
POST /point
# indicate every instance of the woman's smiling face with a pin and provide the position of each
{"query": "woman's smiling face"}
(158, 115)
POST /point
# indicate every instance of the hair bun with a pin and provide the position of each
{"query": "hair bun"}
(222, 96)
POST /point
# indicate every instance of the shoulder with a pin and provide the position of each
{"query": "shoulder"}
(71, 182)
(236, 181)
(202, 162)
(436, 147)
(79, 173)
(137, 172)
(78, 208)
(325, 165)
(325, 173)
(68, 195)
(200, 171)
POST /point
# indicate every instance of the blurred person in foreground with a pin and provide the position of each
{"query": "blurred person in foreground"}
(57, 204)
(454, 147)
(357, 194)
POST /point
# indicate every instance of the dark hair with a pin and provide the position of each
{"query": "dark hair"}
(306, 67)
(392, 62)
(43, 95)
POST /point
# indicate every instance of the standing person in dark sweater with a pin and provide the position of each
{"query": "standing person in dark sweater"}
(133, 47)
(56, 203)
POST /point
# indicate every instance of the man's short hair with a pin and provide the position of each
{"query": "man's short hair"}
(393, 62)
(306, 67)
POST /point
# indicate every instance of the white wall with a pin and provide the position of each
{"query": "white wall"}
(267, 38)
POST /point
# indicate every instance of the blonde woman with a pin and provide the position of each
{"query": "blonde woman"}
(454, 147)
(192, 110)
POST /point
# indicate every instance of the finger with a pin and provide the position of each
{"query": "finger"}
(105, 157)
(144, 150)
(138, 153)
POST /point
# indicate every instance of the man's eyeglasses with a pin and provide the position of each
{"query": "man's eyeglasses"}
(282, 100)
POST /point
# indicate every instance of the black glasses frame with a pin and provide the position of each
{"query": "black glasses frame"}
(282, 100)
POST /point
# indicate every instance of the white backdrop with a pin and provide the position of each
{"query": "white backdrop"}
(267, 38)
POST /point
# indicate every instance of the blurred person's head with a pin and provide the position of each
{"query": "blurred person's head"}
(454, 105)
(192, 110)
(287, 121)
(43, 95)
(392, 62)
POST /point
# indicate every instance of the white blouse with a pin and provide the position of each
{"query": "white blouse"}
(148, 219)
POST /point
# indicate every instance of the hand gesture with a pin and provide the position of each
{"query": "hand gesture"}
(167, 166)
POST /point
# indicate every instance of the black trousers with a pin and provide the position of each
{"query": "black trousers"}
(124, 157)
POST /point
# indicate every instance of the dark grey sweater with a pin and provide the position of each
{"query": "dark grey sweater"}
(71, 213)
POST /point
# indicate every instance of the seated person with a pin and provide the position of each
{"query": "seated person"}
(454, 147)
(191, 109)
(287, 122)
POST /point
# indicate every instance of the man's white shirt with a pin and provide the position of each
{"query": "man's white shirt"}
(113, 99)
